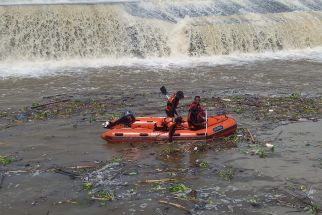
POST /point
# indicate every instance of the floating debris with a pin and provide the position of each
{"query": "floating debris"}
(227, 173)
(175, 205)
(178, 188)
(87, 185)
(67, 173)
(8, 159)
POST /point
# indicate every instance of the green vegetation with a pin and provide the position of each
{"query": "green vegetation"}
(292, 107)
(115, 116)
(41, 115)
(87, 186)
(179, 188)
(171, 152)
(259, 150)
(239, 110)
(3, 114)
(5, 160)
(313, 208)
(227, 173)
(104, 195)
(262, 153)
(117, 159)
(295, 96)
(253, 202)
(158, 187)
(232, 138)
(204, 164)
(35, 104)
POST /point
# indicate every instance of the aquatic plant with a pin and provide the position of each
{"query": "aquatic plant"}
(5, 160)
(41, 115)
(239, 110)
(227, 173)
(204, 164)
(115, 116)
(313, 208)
(179, 188)
(261, 153)
(3, 114)
(253, 202)
(34, 104)
(171, 152)
(158, 187)
(232, 138)
(117, 159)
(295, 96)
(104, 195)
(87, 185)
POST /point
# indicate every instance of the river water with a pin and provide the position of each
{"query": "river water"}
(205, 46)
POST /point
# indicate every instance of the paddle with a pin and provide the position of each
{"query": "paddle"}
(164, 91)
(206, 126)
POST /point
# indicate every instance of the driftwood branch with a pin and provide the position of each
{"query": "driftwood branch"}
(175, 205)
(50, 103)
(159, 180)
(83, 167)
(251, 136)
(63, 172)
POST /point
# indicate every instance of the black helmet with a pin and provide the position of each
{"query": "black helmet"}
(180, 94)
(127, 113)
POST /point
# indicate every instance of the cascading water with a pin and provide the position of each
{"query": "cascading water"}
(157, 29)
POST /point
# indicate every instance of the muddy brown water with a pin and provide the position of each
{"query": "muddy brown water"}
(42, 145)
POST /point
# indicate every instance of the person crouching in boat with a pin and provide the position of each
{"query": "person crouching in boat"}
(127, 119)
(172, 104)
(196, 114)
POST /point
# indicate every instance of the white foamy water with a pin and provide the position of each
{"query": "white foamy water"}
(28, 69)
(25, 2)
(43, 40)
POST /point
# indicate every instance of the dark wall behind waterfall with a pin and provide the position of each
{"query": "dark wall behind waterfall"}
(158, 29)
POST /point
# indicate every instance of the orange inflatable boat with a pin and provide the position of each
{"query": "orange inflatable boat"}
(146, 129)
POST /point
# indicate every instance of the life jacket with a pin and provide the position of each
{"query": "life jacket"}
(170, 102)
(167, 122)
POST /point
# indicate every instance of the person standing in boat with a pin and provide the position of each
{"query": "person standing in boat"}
(172, 104)
(196, 114)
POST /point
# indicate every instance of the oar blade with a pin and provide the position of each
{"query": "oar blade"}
(163, 90)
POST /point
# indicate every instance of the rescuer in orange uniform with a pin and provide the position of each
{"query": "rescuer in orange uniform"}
(173, 103)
